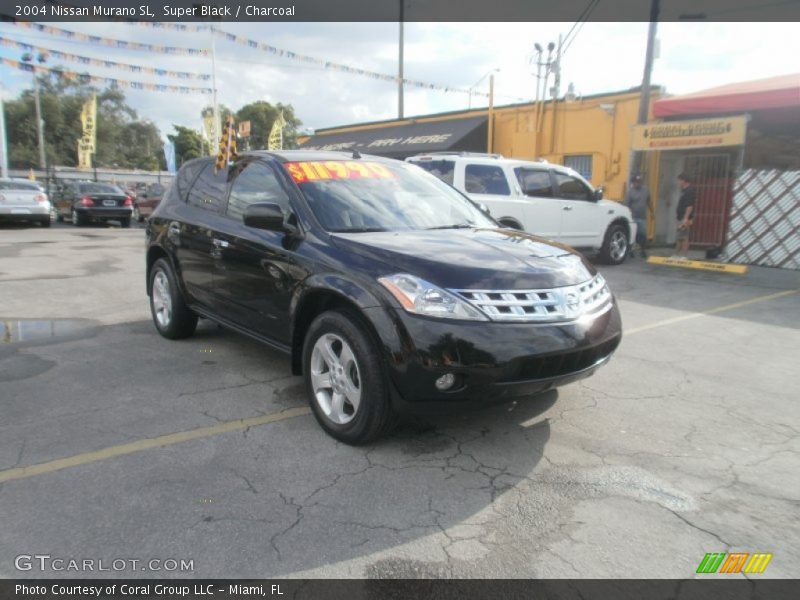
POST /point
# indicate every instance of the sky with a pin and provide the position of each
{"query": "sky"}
(602, 57)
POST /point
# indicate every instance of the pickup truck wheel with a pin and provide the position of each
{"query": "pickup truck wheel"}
(615, 245)
(510, 223)
(172, 318)
(345, 379)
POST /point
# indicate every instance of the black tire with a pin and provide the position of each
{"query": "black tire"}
(374, 416)
(45, 222)
(616, 245)
(510, 223)
(125, 222)
(181, 321)
(77, 219)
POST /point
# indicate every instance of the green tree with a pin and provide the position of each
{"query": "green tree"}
(188, 144)
(123, 140)
(262, 115)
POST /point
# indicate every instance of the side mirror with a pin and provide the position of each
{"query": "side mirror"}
(598, 194)
(265, 215)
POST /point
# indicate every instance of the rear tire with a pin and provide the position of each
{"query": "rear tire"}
(615, 245)
(77, 219)
(172, 318)
(346, 379)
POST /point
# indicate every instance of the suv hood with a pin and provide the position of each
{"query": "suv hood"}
(617, 208)
(487, 259)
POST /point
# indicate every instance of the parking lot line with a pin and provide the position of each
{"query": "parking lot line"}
(710, 311)
(147, 443)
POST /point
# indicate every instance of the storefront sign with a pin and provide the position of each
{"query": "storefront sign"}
(680, 135)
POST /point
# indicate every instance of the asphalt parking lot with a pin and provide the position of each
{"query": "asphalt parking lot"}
(118, 444)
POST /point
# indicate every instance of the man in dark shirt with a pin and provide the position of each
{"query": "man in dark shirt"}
(638, 200)
(685, 214)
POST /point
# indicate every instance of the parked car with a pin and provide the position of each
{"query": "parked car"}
(23, 201)
(549, 200)
(147, 200)
(85, 201)
(389, 290)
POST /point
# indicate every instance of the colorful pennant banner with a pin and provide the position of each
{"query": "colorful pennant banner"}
(256, 45)
(133, 85)
(109, 64)
(113, 43)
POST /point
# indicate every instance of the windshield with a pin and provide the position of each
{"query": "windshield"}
(99, 188)
(362, 195)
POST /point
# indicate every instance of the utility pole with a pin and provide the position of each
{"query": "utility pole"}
(28, 58)
(400, 66)
(644, 96)
(214, 104)
(490, 127)
(3, 143)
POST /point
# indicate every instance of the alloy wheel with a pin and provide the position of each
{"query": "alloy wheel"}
(618, 245)
(335, 378)
(162, 299)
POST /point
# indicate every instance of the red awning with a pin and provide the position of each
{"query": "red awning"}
(776, 93)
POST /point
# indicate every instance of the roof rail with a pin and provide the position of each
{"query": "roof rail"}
(455, 153)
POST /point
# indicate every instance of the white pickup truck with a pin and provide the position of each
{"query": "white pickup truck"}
(22, 200)
(548, 200)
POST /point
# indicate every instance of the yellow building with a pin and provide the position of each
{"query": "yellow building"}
(591, 134)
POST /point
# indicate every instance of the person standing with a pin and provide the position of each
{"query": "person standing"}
(685, 214)
(637, 199)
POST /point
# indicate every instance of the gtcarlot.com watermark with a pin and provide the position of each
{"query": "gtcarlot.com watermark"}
(46, 562)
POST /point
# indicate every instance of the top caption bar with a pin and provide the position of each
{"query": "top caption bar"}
(179, 11)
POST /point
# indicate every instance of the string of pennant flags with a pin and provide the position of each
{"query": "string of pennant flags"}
(256, 45)
(97, 62)
(242, 41)
(113, 81)
(111, 42)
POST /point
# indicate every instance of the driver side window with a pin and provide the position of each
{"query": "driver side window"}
(256, 183)
(571, 188)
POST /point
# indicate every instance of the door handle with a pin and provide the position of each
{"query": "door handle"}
(220, 243)
(567, 208)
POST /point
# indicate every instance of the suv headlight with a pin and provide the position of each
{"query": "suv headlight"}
(423, 298)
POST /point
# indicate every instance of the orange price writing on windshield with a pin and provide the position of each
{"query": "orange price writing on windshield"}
(303, 172)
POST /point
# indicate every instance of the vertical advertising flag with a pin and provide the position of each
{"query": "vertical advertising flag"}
(169, 155)
(88, 141)
(275, 141)
(209, 131)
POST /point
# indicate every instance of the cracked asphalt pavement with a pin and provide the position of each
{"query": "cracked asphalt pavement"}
(685, 443)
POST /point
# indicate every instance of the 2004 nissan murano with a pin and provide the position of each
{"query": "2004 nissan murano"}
(388, 289)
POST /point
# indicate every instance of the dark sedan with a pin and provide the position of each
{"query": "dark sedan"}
(86, 201)
(389, 289)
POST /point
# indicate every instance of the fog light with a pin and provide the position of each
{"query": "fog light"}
(445, 382)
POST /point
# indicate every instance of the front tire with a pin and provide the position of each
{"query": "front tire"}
(172, 318)
(615, 245)
(345, 379)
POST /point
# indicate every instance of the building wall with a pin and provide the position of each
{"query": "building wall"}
(598, 126)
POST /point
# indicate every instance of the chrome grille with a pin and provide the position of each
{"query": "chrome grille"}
(541, 306)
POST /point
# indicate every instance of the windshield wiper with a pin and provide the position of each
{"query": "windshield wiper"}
(358, 230)
(454, 226)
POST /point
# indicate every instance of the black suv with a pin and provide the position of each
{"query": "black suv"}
(389, 289)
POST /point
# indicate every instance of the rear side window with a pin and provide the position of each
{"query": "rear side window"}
(208, 191)
(443, 169)
(485, 179)
(534, 182)
(187, 175)
(257, 183)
